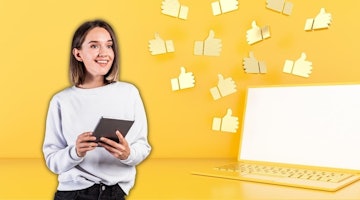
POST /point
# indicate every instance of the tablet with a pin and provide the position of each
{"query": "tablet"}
(107, 127)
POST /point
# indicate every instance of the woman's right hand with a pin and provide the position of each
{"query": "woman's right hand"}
(84, 143)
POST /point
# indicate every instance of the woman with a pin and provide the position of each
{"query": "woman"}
(86, 169)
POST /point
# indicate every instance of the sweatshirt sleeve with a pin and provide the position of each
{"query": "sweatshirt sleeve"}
(138, 137)
(59, 157)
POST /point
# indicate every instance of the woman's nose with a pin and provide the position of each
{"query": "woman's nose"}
(103, 51)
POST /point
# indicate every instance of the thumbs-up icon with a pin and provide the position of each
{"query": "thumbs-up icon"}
(226, 124)
(257, 34)
(301, 67)
(210, 47)
(251, 65)
(185, 80)
(280, 6)
(321, 21)
(224, 88)
(174, 9)
(159, 46)
(224, 6)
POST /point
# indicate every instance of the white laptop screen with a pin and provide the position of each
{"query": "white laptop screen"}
(306, 125)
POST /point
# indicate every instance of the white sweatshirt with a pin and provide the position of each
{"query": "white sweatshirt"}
(74, 111)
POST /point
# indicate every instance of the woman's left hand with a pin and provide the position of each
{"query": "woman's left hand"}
(119, 150)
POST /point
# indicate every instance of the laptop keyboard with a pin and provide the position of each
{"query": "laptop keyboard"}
(287, 172)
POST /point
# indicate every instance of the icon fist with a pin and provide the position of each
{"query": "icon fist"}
(300, 67)
(257, 34)
(226, 124)
(224, 88)
(251, 65)
(224, 6)
(159, 46)
(280, 6)
(321, 21)
(174, 9)
(185, 80)
(210, 47)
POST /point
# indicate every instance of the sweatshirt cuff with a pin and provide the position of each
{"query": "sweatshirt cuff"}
(130, 159)
(74, 155)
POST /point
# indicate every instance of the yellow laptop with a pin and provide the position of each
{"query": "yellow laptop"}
(304, 136)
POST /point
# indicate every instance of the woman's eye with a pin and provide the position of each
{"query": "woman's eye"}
(93, 46)
(109, 46)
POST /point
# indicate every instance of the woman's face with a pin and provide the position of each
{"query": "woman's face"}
(96, 53)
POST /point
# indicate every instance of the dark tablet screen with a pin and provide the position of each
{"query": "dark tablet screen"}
(107, 128)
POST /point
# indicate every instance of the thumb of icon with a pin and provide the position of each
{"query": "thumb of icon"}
(254, 25)
(221, 82)
(322, 12)
(157, 36)
(251, 55)
(302, 57)
(221, 78)
(211, 35)
(182, 70)
(228, 113)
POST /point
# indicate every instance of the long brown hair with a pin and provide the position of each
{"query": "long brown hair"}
(77, 68)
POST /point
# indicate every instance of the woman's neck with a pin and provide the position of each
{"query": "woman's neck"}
(92, 84)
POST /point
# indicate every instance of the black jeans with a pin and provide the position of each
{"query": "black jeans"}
(95, 192)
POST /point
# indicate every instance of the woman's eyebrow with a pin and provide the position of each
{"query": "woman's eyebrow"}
(94, 41)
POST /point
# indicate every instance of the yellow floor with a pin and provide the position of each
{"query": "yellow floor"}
(159, 179)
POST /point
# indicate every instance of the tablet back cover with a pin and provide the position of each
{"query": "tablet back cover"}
(107, 128)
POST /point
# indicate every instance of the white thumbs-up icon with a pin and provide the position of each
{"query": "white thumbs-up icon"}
(174, 9)
(251, 65)
(300, 67)
(185, 80)
(321, 21)
(280, 6)
(210, 47)
(159, 46)
(257, 34)
(224, 6)
(224, 87)
(226, 124)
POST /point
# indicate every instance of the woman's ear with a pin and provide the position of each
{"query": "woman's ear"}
(77, 55)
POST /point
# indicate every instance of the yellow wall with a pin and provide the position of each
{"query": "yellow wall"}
(35, 39)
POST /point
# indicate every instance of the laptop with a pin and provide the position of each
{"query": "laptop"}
(305, 136)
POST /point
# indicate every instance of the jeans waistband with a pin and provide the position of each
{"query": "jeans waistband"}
(107, 190)
(95, 192)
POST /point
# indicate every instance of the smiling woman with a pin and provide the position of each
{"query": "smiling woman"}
(85, 170)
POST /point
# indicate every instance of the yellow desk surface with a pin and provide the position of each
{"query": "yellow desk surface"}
(160, 179)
